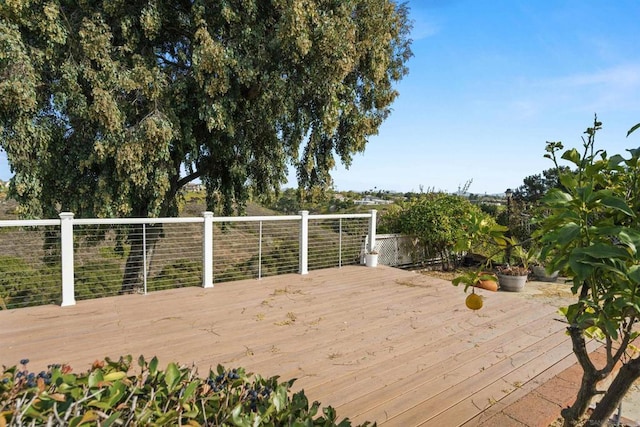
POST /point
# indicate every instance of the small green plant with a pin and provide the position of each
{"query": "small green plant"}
(109, 395)
(479, 231)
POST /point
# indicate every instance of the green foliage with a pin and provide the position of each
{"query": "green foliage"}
(591, 231)
(177, 274)
(536, 186)
(22, 285)
(95, 279)
(594, 232)
(103, 104)
(437, 220)
(109, 394)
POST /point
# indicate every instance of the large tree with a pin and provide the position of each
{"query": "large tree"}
(108, 108)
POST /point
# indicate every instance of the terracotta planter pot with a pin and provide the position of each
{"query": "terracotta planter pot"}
(489, 285)
(512, 283)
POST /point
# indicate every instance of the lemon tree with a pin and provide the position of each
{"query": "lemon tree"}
(592, 233)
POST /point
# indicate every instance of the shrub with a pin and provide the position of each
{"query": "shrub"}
(436, 220)
(108, 394)
(21, 285)
(178, 274)
(96, 279)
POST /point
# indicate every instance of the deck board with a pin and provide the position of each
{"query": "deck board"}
(383, 344)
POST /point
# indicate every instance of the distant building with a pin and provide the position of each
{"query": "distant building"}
(370, 200)
(194, 187)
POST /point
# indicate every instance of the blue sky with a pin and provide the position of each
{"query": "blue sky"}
(490, 82)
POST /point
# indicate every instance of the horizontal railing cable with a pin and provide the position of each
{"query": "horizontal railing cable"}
(112, 256)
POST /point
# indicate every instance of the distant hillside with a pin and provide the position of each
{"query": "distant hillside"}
(193, 207)
(7, 208)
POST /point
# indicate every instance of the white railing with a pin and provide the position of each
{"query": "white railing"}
(60, 261)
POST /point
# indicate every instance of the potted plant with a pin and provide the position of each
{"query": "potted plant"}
(512, 278)
(479, 231)
(539, 269)
(371, 259)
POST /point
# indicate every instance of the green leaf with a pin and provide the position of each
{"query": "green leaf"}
(555, 196)
(566, 234)
(172, 376)
(280, 398)
(116, 392)
(572, 156)
(602, 251)
(95, 377)
(580, 270)
(614, 161)
(112, 418)
(237, 418)
(153, 366)
(188, 391)
(633, 129)
(594, 332)
(634, 274)
(618, 204)
(571, 312)
(115, 376)
(168, 418)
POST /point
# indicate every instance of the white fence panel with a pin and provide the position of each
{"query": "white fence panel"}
(335, 241)
(30, 272)
(61, 261)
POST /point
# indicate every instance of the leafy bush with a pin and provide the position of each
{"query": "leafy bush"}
(108, 394)
(436, 220)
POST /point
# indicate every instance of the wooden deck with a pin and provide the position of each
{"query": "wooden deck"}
(382, 344)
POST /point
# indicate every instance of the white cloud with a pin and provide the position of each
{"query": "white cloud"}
(423, 29)
(623, 76)
(614, 89)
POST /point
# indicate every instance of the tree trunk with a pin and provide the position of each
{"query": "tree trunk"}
(621, 384)
(586, 392)
(142, 238)
(590, 378)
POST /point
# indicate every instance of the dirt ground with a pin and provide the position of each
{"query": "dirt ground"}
(559, 293)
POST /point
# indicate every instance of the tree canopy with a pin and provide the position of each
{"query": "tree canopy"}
(109, 108)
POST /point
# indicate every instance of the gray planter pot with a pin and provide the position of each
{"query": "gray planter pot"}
(541, 274)
(511, 283)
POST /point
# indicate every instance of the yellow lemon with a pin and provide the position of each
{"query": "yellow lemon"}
(474, 301)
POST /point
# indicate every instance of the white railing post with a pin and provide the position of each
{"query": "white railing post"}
(260, 252)
(66, 253)
(304, 242)
(372, 230)
(207, 250)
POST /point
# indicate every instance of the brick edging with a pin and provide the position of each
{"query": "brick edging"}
(539, 405)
